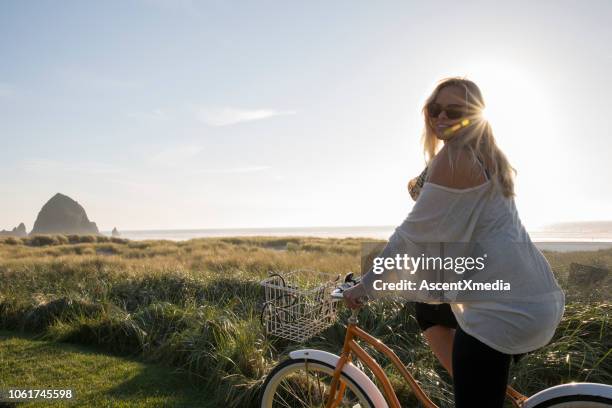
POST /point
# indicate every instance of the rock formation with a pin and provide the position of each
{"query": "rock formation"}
(62, 215)
(18, 231)
(115, 232)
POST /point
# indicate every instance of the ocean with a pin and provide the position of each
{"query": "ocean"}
(553, 240)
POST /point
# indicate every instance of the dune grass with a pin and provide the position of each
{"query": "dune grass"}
(195, 305)
(97, 379)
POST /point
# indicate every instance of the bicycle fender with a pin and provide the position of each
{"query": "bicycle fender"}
(563, 390)
(349, 369)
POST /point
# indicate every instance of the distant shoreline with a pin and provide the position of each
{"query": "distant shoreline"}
(544, 240)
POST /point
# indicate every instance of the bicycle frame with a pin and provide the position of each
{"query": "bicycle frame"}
(351, 348)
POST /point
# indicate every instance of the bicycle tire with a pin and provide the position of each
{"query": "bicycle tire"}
(576, 401)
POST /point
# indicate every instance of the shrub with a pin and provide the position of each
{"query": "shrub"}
(139, 245)
(116, 333)
(85, 250)
(42, 240)
(65, 309)
(108, 249)
(160, 321)
(12, 241)
(11, 314)
(74, 239)
(62, 239)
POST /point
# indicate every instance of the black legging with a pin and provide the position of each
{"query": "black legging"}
(480, 373)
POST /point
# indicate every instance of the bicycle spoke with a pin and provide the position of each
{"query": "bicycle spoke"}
(309, 392)
(294, 393)
(319, 388)
(308, 385)
(285, 401)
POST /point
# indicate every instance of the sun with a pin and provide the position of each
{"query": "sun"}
(516, 106)
(521, 113)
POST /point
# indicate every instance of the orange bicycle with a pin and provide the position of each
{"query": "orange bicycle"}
(316, 378)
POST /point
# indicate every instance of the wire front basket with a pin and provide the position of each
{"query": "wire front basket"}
(298, 304)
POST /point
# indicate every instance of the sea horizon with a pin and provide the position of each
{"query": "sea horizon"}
(553, 240)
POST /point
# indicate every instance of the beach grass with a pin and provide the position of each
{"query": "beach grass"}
(195, 306)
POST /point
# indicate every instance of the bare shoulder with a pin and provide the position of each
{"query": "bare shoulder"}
(455, 168)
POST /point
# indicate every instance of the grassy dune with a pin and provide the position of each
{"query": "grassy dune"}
(194, 305)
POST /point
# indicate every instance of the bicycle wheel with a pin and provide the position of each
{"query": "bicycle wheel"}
(576, 401)
(304, 383)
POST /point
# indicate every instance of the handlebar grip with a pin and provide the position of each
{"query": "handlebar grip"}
(337, 294)
(349, 282)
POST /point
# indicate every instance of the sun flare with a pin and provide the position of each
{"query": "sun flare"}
(516, 106)
(520, 112)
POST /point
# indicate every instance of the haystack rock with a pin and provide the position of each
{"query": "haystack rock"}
(18, 231)
(62, 215)
(115, 233)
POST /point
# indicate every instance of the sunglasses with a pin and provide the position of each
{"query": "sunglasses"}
(435, 109)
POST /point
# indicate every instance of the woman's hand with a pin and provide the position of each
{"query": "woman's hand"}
(353, 297)
(413, 188)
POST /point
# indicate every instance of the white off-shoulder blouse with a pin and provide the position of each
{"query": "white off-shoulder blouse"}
(481, 219)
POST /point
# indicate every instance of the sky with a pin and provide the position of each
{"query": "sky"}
(158, 114)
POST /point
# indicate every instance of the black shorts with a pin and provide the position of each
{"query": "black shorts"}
(431, 315)
(441, 314)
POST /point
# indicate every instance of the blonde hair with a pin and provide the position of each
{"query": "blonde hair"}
(478, 139)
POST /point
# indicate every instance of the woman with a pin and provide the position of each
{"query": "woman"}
(467, 197)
